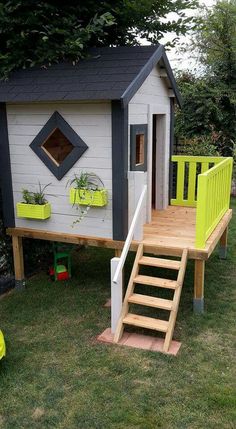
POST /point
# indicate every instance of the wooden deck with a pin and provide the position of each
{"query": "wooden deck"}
(173, 229)
(170, 231)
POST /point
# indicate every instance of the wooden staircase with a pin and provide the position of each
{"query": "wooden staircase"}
(128, 318)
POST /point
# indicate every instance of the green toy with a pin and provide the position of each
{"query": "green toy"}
(62, 261)
(2, 346)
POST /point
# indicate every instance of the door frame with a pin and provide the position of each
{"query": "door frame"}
(163, 188)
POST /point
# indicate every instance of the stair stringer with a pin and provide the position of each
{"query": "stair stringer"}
(175, 302)
(129, 291)
(176, 299)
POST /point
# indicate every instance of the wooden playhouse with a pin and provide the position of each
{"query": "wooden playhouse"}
(113, 114)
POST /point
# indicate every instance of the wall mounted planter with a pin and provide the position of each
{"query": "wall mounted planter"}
(87, 197)
(33, 211)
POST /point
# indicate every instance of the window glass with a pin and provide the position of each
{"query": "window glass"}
(139, 153)
(57, 147)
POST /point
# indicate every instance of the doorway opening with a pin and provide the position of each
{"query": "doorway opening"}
(158, 161)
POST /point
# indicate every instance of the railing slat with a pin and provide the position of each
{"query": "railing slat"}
(180, 182)
(204, 167)
(192, 182)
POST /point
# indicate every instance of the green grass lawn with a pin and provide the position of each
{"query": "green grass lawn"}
(57, 375)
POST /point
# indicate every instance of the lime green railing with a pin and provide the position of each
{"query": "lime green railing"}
(213, 198)
(188, 169)
(203, 182)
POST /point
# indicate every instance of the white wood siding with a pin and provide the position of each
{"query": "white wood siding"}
(151, 98)
(92, 121)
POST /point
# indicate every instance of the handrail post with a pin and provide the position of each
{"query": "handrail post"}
(138, 186)
(117, 265)
(201, 212)
(138, 231)
(130, 234)
(116, 294)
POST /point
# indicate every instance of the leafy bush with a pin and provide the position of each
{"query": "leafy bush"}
(199, 146)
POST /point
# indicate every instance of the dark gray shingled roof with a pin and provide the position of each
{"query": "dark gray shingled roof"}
(107, 74)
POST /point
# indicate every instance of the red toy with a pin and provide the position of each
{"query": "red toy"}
(61, 273)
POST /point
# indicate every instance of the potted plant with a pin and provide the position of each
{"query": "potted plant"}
(87, 189)
(34, 204)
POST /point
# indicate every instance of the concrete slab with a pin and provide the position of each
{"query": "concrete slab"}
(140, 341)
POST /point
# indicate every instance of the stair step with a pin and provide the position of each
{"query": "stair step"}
(146, 322)
(150, 301)
(156, 281)
(159, 262)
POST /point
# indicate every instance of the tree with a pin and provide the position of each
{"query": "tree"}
(216, 42)
(210, 99)
(43, 32)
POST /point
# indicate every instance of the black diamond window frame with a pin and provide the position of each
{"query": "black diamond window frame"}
(58, 122)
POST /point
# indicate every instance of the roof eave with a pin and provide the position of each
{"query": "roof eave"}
(172, 79)
(145, 71)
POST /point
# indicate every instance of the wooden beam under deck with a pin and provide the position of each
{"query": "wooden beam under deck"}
(68, 238)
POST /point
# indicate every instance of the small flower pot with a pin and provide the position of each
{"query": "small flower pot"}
(33, 211)
(87, 197)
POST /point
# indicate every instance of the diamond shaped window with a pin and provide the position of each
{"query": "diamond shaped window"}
(58, 146)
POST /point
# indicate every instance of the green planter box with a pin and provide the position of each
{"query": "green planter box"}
(33, 211)
(88, 198)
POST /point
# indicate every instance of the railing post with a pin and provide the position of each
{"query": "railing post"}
(138, 232)
(199, 277)
(230, 171)
(201, 212)
(18, 258)
(223, 244)
(116, 294)
(139, 179)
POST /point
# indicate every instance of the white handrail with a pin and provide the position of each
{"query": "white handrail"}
(130, 235)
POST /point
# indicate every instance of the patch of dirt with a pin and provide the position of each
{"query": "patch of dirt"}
(143, 382)
(38, 413)
(209, 337)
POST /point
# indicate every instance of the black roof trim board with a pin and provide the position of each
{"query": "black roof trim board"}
(119, 170)
(5, 172)
(140, 78)
(171, 78)
(108, 73)
(146, 70)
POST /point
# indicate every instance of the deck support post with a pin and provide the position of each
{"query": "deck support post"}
(223, 244)
(18, 258)
(116, 295)
(199, 274)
